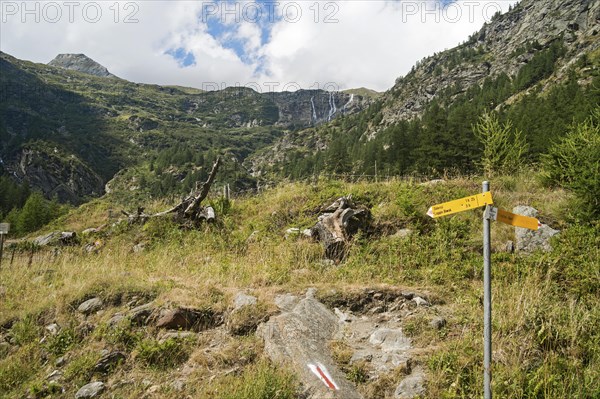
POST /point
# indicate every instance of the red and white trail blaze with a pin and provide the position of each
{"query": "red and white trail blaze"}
(320, 371)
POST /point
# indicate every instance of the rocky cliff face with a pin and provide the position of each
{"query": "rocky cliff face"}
(80, 63)
(56, 174)
(501, 46)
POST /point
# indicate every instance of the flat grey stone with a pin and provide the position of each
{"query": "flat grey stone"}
(420, 301)
(90, 306)
(299, 337)
(92, 390)
(411, 386)
(390, 340)
(286, 301)
(242, 300)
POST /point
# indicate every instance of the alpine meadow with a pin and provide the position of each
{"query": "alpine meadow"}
(165, 236)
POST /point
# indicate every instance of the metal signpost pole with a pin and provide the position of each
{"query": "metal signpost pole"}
(4, 228)
(487, 302)
(1, 248)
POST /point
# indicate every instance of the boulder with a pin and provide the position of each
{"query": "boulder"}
(242, 299)
(109, 361)
(139, 315)
(188, 319)
(56, 238)
(299, 337)
(411, 386)
(90, 306)
(529, 240)
(92, 390)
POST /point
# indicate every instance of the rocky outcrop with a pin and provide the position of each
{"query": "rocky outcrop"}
(80, 63)
(56, 173)
(499, 45)
(529, 240)
(299, 338)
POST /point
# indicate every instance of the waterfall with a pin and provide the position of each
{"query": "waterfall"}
(332, 108)
(348, 103)
(314, 111)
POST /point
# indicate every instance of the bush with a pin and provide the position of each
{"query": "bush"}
(574, 164)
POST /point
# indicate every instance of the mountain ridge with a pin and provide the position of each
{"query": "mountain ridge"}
(80, 63)
(106, 124)
(534, 47)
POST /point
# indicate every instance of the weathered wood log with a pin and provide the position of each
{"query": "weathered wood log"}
(338, 224)
(189, 209)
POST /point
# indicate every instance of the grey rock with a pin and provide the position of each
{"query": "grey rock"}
(116, 320)
(52, 329)
(139, 316)
(80, 63)
(411, 386)
(140, 247)
(420, 301)
(242, 300)
(529, 240)
(402, 233)
(438, 323)
(299, 337)
(286, 301)
(56, 238)
(178, 385)
(390, 340)
(54, 376)
(92, 390)
(60, 361)
(90, 306)
(292, 233)
(89, 231)
(109, 361)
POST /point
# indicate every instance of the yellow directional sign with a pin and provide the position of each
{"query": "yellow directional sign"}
(517, 220)
(460, 205)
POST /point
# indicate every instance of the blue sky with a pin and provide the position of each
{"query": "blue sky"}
(277, 44)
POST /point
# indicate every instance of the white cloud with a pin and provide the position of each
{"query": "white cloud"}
(372, 43)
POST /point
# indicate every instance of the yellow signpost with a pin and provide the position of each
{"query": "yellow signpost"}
(517, 220)
(491, 213)
(460, 205)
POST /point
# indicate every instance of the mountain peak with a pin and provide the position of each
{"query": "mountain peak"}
(80, 63)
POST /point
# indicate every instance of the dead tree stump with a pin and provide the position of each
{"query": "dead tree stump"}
(188, 212)
(337, 224)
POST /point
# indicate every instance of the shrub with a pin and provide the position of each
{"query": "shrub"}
(574, 164)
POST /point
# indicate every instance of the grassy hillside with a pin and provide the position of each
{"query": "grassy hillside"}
(545, 316)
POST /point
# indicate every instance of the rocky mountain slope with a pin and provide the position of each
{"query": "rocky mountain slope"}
(66, 129)
(80, 63)
(502, 46)
(531, 49)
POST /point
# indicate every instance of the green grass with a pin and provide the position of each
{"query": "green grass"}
(545, 311)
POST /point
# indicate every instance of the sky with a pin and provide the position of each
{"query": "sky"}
(268, 45)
